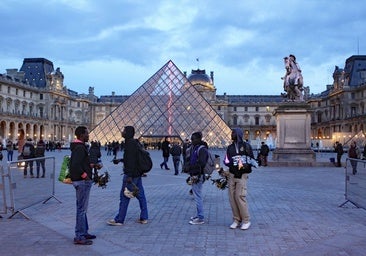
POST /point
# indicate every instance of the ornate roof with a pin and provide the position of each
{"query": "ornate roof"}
(199, 77)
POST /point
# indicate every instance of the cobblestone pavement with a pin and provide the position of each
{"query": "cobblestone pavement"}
(294, 211)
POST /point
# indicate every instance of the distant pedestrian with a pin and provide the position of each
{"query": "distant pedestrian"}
(165, 147)
(81, 176)
(176, 152)
(264, 151)
(21, 142)
(39, 153)
(10, 150)
(338, 148)
(28, 152)
(186, 145)
(353, 153)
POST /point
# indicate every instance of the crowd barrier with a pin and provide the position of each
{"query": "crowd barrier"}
(355, 182)
(23, 191)
(2, 189)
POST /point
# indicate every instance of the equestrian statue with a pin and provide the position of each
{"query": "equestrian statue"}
(292, 81)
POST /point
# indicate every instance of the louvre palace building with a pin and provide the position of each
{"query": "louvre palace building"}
(34, 102)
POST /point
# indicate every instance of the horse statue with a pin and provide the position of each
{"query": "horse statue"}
(292, 81)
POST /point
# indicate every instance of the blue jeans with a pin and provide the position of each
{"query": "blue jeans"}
(165, 162)
(124, 201)
(197, 193)
(176, 161)
(82, 188)
(10, 155)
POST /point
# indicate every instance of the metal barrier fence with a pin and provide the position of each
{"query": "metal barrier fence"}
(355, 182)
(26, 190)
(2, 189)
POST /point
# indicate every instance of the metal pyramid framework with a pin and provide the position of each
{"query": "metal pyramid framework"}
(165, 105)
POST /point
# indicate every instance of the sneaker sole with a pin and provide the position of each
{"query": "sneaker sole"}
(114, 223)
(245, 228)
(194, 223)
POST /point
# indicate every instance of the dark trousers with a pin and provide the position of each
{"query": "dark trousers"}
(339, 160)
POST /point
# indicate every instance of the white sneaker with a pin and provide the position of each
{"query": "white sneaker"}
(234, 225)
(245, 226)
(196, 222)
(114, 223)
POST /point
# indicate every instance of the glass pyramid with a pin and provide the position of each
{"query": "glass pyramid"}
(165, 105)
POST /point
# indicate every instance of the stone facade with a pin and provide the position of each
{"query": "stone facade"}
(339, 111)
(34, 99)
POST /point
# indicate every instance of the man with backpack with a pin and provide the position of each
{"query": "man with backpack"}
(28, 153)
(39, 152)
(198, 157)
(238, 154)
(338, 148)
(264, 151)
(131, 180)
(176, 151)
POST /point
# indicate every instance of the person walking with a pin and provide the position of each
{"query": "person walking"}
(81, 177)
(198, 157)
(339, 150)
(10, 150)
(176, 152)
(264, 151)
(131, 180)
(28, 153)
(21, 143)
(39, 152)
(165, 147)
(353, 153)
(237, 179)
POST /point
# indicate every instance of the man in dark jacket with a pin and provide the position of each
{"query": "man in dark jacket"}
(264, 151)
(339, 150)
(39, 152)
(238, 176)
(28, 154)
(165, 147)
(81, 176)
(198, 156)
(131, 180)
(176, 151)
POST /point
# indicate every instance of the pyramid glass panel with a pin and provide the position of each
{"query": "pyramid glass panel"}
(167, 104)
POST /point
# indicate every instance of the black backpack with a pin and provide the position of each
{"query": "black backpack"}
(144, 162)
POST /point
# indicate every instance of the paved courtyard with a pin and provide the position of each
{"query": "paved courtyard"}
(294, 211)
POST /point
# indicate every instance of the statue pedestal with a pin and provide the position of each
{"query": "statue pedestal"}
(293, 134)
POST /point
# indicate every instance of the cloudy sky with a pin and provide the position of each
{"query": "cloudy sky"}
(116, 45)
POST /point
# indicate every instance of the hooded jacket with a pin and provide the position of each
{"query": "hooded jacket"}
(130, 153)
(238, 147)
(79, 161)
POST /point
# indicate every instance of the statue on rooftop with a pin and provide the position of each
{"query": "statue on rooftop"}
(292, 81)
